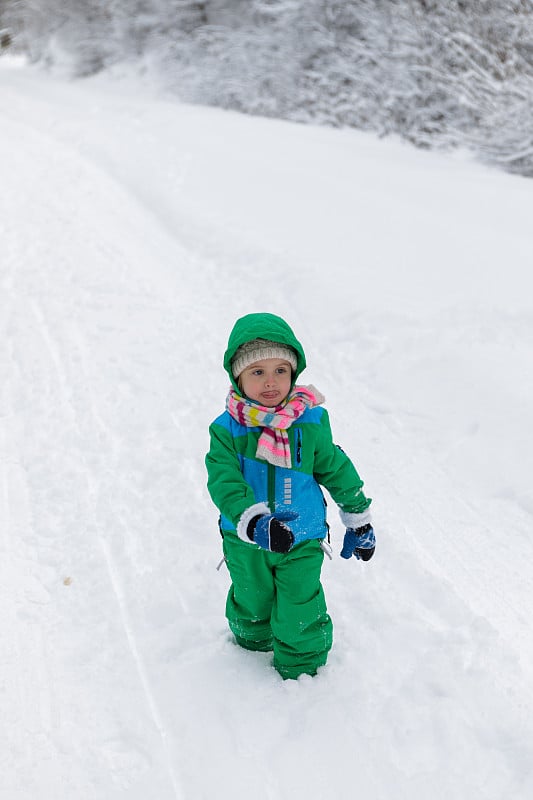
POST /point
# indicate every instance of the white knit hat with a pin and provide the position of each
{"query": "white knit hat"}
(259, 349)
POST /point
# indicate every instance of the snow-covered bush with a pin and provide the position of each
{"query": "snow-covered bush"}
(438, 74)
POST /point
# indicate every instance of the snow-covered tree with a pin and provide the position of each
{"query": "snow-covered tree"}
(439, 74)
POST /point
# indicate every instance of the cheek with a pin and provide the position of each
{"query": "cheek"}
(248, 383)
(287, 380)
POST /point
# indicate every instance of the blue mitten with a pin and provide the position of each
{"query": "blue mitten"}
(270, 532)
(360, 543)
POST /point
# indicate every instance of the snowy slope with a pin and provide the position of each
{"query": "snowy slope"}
(134, 231)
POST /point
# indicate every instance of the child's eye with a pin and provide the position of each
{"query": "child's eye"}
(257, 372)
(282, 370)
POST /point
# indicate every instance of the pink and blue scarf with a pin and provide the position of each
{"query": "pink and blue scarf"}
(273, 445)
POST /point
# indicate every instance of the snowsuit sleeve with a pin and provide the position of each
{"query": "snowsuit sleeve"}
(335, 471)
(231, 494)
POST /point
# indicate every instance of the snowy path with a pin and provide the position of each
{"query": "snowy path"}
(122, 268)
(77, 701)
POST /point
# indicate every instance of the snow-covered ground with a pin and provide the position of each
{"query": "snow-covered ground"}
(133, 232)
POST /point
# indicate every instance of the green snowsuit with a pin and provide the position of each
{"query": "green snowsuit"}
(276, 601)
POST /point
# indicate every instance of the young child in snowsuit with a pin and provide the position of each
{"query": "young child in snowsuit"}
(269, 452)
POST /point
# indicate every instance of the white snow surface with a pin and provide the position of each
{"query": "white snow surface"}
(134, 231)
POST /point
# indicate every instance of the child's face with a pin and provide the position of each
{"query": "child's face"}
(267, 382)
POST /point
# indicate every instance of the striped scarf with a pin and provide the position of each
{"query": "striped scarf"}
(273, 445)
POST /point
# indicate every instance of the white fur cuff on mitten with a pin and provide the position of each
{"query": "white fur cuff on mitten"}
(353, 520)
(247, 516)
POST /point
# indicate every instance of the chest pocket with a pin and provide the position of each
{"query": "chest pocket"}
(298, 447)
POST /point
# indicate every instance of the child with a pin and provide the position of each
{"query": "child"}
(269, 452)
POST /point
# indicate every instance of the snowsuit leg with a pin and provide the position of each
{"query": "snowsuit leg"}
(251, 594)
(276, 601)
(302, 628)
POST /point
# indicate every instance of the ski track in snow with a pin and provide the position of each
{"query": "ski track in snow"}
(123, 681)
(87, 412)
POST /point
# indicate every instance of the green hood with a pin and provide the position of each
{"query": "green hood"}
(262, 326)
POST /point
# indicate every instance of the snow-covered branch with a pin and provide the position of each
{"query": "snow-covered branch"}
(439, 74)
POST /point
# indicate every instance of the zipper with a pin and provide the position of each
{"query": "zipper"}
(271, 487)
(298, 448)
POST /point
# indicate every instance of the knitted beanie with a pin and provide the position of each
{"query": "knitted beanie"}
(259, 349)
